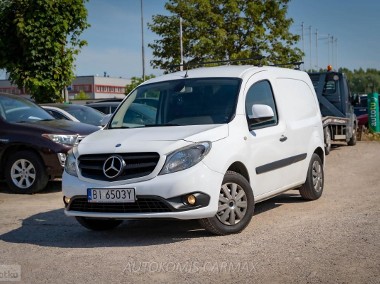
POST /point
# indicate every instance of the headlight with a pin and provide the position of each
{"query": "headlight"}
(71, 163)
(186, 157)
(62, 139)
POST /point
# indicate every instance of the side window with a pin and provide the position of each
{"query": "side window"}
(329, 88)
(56, 114)
(261, 93)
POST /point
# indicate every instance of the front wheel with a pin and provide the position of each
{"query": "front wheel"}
(313, 187)
(353, 139)
(98, 224)
(235, 207)
(25, 173)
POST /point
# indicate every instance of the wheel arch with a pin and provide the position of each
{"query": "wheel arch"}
(320, 153)
(239, 168)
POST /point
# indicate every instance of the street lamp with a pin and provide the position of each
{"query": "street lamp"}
(142, 42)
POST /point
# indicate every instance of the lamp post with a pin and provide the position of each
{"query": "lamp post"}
(142, 42)
(181, 43)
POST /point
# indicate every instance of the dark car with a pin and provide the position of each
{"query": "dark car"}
(33, 145)
(361, 106)
(74, 112)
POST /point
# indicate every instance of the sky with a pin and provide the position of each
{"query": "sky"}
(115, 37)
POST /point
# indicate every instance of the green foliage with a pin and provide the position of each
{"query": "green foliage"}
(363, 82)
(135, 81)
(38, 43)
(224, 30)
(82, 96)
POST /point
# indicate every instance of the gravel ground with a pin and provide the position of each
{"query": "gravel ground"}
(332, 240)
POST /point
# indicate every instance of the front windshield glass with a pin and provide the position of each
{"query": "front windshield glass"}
(179, 102)
(13, 109)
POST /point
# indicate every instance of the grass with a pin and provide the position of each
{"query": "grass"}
(365, 135)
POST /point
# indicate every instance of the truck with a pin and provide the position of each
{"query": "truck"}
(336, 105)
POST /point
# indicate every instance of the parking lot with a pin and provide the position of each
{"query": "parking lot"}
(332, 240)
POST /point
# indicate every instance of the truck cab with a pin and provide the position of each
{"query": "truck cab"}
(336, 105)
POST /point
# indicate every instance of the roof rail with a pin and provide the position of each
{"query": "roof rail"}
(202, 63)
(296, 64)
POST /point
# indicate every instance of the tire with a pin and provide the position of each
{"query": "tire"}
(98, 224)
(235, 209)
(313, 187)
(353, 139)
(25, 173)
(327, 134)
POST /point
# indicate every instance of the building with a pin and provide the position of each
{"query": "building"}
(94, 87)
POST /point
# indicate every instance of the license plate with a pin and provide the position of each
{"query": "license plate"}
(114, 195)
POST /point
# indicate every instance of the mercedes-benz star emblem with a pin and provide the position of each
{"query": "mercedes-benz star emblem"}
(113, 167)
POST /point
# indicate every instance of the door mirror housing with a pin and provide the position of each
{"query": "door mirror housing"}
(260, 113)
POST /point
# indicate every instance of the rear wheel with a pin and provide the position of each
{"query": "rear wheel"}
(98, 224)
(235, 207)
(313, 187)
(353, 139)
(25, 173)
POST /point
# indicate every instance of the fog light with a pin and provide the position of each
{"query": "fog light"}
(191, 199)
(66, 200)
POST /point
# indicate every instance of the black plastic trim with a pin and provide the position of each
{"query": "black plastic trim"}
(280, 164)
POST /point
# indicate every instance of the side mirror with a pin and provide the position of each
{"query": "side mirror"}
(260, 113)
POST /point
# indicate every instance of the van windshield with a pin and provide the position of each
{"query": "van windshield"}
(179, 102)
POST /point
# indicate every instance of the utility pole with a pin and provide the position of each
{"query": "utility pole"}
(142, 42)
(181, 43)
(332, 52)
(336, 52)
(310, 47)
(316, 48)
(303, 44)
(328, 49)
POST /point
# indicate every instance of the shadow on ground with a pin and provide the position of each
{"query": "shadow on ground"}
(54, 229)
(52, 186)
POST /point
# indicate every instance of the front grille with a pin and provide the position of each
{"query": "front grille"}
(137, 165)
(142, 205)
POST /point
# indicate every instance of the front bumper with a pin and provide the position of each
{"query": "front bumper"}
(161, 197)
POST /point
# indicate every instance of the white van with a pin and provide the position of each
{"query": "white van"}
(216, 141)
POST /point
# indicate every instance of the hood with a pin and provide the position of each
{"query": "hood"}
(61, 126)
(150, 139)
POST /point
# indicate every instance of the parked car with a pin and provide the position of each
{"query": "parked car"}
(33, 144)
(138, 113)
(222, 139)
(363, 120)
(79, 113)
(361, 106)
(105, 107)
(148, 101)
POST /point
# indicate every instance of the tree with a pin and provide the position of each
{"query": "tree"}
(362, 82)
(38, 43)
(135, 81)
(223, 30)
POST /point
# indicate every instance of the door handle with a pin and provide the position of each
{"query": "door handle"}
(283, 138)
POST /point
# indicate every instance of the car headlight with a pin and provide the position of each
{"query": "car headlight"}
(71, 163)
(186, 157)
(62, 139)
